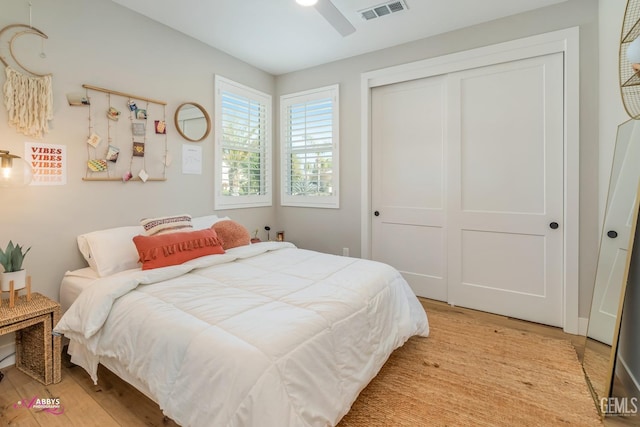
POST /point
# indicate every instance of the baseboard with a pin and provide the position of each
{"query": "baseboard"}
(583, 325)
(6, 350)
(627, 379)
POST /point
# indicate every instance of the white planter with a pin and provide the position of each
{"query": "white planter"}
(19, 280)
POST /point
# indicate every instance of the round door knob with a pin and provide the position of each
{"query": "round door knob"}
(376, 213)
(554, 225)
(612, 233)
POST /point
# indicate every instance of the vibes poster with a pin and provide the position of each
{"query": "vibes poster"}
(48, 161)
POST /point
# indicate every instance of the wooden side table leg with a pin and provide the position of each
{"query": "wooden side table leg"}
(48, 351)
(28, 283)
(12, 295)
(57, 348)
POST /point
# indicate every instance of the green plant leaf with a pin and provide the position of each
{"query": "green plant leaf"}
(12, 257)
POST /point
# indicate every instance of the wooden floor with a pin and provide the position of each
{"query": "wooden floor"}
(111, 403)
(115, 403)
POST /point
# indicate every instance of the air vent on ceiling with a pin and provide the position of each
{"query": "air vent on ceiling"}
(383, 9)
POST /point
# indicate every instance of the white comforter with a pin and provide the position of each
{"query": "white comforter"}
(264, 335)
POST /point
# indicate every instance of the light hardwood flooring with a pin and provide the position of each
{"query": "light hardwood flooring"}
(115, 403)
(109, 404)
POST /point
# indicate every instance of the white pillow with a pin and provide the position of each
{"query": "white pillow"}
(112, 250)
(202, 222)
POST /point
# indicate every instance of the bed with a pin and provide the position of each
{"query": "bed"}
(263, 334)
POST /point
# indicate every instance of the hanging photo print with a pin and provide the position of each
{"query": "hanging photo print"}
(161, 127)
(112, 153)
(138, 149)
(113, 114)
(137, 129)
(77, 99)
(97, 165)
(94, 140)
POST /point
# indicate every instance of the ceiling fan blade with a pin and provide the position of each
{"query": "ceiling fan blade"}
(335, 17)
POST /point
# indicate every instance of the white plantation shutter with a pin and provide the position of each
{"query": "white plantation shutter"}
(243, 146)
(309, 148)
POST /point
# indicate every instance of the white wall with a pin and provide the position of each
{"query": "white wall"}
(311, 227)
(98, 42)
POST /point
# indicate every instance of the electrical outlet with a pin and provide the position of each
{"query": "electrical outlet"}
(345, 251)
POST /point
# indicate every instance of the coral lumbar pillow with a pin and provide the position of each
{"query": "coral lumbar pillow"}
(232, 234)
(176, 248)
(166, 224)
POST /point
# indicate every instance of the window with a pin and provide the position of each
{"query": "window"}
(243, 146)
(309, 148)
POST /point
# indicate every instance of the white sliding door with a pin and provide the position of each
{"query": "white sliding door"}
(467, 180)
(505, 205)
(409, 177)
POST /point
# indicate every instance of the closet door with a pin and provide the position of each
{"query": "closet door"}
(408, 170)
(505, 189)
(467, 186)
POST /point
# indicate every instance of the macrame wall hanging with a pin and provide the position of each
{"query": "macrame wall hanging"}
(28, 95)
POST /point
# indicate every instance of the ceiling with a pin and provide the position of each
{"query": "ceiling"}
(279, 36)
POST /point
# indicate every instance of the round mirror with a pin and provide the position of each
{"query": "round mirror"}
(192, 121)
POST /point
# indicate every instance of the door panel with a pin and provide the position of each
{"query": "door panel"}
(500, 139)
(486, 253)
(506, 188)
(408, 177)
(424, 263)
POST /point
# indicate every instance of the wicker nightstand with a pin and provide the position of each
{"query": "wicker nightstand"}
(38, 353)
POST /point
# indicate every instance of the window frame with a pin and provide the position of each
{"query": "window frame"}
(221, 201)
(312, 201)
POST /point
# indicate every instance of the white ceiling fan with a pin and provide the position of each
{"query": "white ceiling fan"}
(331, 14)
(342, 24)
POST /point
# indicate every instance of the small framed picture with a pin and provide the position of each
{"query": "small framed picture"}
(137, 129)
(161, 127)
(94, 140)
(280, 236)
(97, 165)
(77, 99)
(113, 113)
(141, 114)
(112, 153)
(138, 149)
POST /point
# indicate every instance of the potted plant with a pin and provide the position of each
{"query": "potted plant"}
(11, 259)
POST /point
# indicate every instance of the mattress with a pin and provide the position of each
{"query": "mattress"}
(73, 283)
